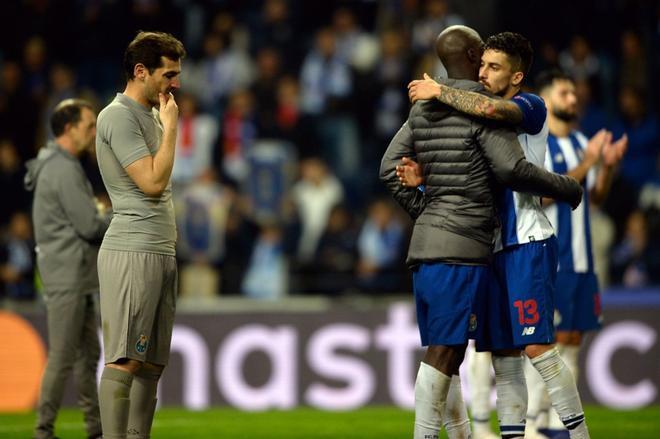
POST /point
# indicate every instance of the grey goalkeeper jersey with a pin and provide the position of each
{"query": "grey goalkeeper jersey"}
(126, 132)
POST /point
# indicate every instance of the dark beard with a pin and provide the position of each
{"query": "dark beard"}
(565, 115)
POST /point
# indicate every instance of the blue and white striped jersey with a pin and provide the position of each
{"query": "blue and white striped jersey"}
(573, 228)
(521, 216)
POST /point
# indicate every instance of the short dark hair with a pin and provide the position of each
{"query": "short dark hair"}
(147, 48)
(516, 47)
(67, 111)
(546, 78)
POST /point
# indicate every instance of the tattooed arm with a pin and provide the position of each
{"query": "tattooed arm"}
(467, 102)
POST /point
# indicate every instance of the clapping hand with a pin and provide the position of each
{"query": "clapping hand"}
(613, 152)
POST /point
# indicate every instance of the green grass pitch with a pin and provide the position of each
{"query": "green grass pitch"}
(373, 422)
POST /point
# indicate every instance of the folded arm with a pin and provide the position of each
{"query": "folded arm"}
(78, 202)
(152, 173)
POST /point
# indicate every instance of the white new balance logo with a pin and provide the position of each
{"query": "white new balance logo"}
(529, 330)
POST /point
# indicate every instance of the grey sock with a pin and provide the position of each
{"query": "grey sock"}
(114, 402)
(143, 404)
(511, 396)
(562, 392)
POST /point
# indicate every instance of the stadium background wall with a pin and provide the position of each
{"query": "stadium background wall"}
(339, 358)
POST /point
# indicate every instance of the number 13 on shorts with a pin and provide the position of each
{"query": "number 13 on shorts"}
(527, 311)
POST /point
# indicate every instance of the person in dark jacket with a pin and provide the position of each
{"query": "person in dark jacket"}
(462, 159)
(69, 225)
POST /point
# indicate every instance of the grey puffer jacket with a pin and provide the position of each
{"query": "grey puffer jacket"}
(462, 160)
(67, 227)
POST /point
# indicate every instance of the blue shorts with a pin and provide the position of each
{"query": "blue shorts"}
(445, 295)
(520, 300)
(577, 302)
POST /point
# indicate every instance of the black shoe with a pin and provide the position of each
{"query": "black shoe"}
(555, 434)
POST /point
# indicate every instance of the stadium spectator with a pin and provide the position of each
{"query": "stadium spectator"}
(264, 88)
(221, 72)
(17, 268)
(578, 60)
(11, 179)
(36, 68)
(276, 28)
(434, 18)
(229, 28)
(291, 123)
(380, 243)
(62, 83)
(640, 164)
(314, 196)
(325, 76)
(632, 262)
(336, 255)
(391, 74)
(202, 208)
(326, 88)
(634, 65)
(357, 48)
(237, 134)
(545, 58)
(267, 276)
(591, 116)
(240, 238)
(196, 140)
(18, 110)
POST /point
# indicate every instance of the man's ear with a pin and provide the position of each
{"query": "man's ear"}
(139, 71)
(517, 79)
(67, 127)
(473, 55)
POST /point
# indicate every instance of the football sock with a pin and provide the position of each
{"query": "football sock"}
(479, 365)
(454, 416)
(569, 354)
(114, 402)
(143, 404)
(511, 396)
(431, 388)
(537, 410)
(562, 392)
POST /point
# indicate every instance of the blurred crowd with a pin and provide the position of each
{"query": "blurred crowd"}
(286, 108)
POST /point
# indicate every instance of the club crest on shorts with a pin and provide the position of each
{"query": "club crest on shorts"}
(473, 322)
(141, 345)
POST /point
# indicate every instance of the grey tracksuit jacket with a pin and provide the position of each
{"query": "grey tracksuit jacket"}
(463, 159)
(67, 226)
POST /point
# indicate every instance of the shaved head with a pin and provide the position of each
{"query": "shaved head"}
(459, 49)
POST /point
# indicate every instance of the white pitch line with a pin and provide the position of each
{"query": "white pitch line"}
(77, 425)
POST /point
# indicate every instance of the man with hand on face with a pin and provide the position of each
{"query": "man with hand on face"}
(520, 304)
(68, 228)
(451, 244)
(136, 263)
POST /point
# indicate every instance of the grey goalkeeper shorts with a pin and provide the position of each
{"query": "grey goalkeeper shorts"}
(138, 300)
